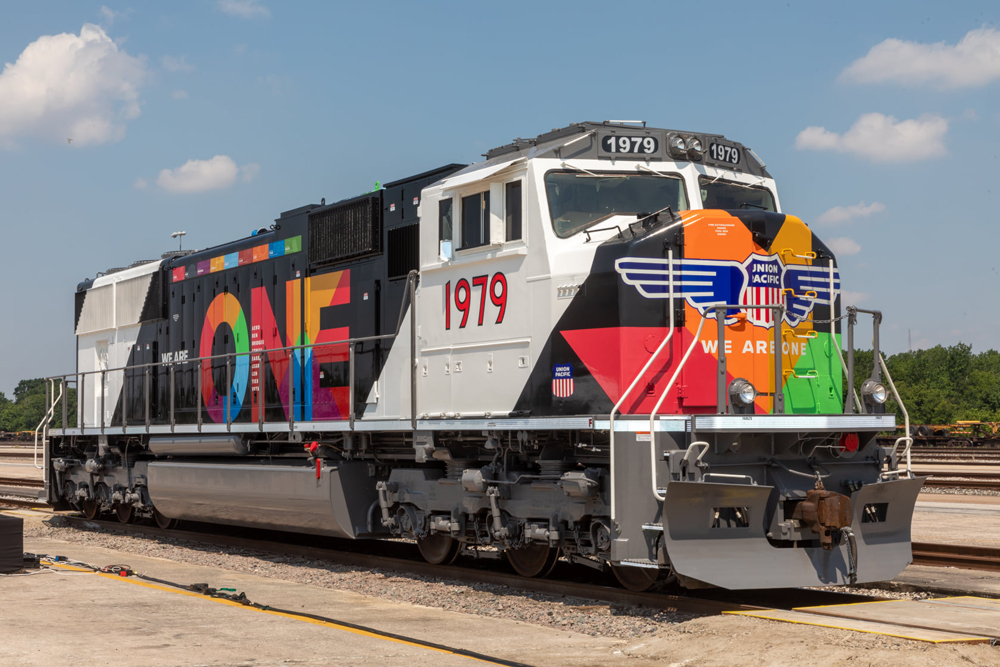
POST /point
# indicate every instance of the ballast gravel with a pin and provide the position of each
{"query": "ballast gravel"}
(575, 614)
(958, 491)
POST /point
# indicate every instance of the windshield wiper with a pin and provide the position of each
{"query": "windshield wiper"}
(592, 174)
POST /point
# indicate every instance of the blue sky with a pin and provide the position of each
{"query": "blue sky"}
(271, 106)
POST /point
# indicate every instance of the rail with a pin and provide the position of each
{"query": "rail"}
(294, 354)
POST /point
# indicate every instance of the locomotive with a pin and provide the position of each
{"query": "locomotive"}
(605, 344)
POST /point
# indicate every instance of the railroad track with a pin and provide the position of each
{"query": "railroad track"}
(17, 456)
(982, 484)
(22, 482)
(957, 555)
(22, 502)
(569, 580)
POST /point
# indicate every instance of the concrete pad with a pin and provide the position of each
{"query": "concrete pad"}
(940, 518)
(949, 579)
(968, 601)
(20, 471)
(958, 498)
(145, 624)
(856, 625)
(963, 619)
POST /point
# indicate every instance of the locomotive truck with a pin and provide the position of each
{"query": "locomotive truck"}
(606, 344)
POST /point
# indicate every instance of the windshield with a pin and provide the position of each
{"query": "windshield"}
(729, 196)
(578, 201)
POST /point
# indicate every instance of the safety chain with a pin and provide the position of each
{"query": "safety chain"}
(835, 319)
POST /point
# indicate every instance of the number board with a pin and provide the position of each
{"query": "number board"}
(724, 153)
(624, 145)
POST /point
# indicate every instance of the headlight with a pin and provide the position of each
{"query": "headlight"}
(874, 392)
(695, 149)
(677, 145)
(741, 392)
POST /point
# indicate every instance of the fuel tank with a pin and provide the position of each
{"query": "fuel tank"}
(332, 500)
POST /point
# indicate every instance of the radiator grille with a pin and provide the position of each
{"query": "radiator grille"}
(130, 296)
(98, 312)
(350, 230)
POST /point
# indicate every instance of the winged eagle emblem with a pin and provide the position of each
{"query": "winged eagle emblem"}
(758, 280)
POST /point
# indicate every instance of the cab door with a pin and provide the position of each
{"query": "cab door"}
(475, 312)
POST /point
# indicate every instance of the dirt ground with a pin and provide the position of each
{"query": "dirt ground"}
(723, 641)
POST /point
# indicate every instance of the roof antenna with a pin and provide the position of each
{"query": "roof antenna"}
(180, 238)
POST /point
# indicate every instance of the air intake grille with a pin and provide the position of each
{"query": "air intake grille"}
(403, 250)
(352, 229)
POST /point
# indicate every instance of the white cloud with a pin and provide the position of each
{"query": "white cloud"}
(199, 175)
(881, 138)
(179, 95)
(140, 184)
(80, 87)
(843, 246)
(110, 15)
(245, 9)
(248, 172)
(838, 215)
(172, 64)
(849, 298)
(974, 61)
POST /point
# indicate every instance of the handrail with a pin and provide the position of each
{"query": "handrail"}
(663, 396)
(614, 410)
(43, 425)
(852, 320)
(722, 398)
(833, 330)
(811, 374)
(412, 277)
(906, 417)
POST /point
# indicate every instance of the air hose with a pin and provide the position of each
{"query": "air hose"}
(852, 553)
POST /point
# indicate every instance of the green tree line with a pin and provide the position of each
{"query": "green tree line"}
(27, 408)
(940, 385)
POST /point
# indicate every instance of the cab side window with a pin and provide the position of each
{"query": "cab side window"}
(446, 228)
(476, 220)
(512, 210)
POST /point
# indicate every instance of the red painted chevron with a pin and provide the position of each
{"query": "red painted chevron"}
(615, 355)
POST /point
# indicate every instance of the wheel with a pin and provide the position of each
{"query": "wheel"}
(124, 512)
(636, 579)
(91, 509)
(163, 522)
(439, 548)
(534, 560)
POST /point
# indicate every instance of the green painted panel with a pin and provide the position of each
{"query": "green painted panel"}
(820, 394)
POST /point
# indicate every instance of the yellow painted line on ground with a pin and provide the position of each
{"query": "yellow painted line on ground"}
(338, 626)
(842, 604)
(965, 639)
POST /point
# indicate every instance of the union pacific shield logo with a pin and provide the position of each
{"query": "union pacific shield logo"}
(562, 381)
(763, 288)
